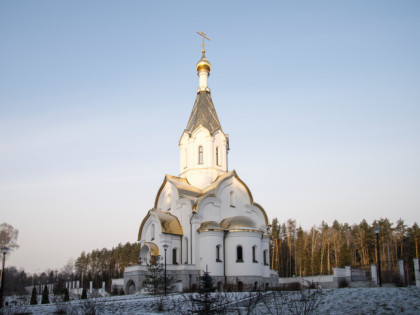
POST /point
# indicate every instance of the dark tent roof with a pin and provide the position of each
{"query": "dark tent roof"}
(204, 114)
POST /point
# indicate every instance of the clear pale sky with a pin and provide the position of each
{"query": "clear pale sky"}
(321, 101)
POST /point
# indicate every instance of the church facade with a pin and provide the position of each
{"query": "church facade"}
(205, 218)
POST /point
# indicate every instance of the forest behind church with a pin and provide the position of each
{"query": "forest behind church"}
(293, 251)
(317, 251)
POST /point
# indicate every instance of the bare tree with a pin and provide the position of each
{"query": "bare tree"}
(8, 236)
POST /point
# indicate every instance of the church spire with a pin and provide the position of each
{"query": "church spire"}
(203, 112)
(203, 145)
(203, 68)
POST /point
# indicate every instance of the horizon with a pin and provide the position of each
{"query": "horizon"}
(320, 101)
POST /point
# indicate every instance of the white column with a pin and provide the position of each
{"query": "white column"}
(417, 271)
(401, 270)
(373, 274)
(348, 273)
(91, 286)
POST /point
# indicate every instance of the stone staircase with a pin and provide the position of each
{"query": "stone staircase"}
(361, 284)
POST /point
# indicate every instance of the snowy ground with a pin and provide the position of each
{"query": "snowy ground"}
(339, 301)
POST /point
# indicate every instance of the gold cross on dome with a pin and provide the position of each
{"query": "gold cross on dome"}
(204, 37)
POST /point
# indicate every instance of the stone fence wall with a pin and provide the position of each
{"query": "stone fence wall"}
(350, 277)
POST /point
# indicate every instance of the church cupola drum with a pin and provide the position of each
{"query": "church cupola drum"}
(205, 218)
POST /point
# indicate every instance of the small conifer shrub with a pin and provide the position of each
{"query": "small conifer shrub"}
(34, 299)
(45, 298)
(84, 294)
(66, 295)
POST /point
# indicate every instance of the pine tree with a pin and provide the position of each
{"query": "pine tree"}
(34, 299)
(66, 295)
(84, 294)
(206, 283)
(204, 301)
(154, 282)
(45, 298)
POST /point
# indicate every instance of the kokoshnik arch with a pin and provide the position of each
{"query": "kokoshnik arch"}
(206, 215)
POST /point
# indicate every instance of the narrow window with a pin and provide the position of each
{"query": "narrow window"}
(265, 258)
(254, 254)
(217, 156)
(174, 260)
(239, 256)
(232, 199)
(200, 155)
(185, 252)
(152, 233)
(218, 253)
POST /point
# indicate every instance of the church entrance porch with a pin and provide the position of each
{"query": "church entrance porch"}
(185, 277)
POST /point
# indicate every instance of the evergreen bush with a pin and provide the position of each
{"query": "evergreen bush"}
(34, 299)
(84, 294)
(66, 295)
(45, 298)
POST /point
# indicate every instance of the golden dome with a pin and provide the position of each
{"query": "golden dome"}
(209, 226)
(203, 63)
(239, 222)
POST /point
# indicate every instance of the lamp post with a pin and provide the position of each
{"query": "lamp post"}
(4, 250)
(165, 247)
(295, 254)
(377, 230)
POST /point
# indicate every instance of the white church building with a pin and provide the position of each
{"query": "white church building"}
(205, 218)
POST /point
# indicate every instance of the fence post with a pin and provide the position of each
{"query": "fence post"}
(401, 270)
(374, 274)
(417, 272)
(348, 274)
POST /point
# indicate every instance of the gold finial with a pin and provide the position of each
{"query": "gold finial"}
(204, 37)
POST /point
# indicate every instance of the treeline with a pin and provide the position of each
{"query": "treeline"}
(295, 251)
(105, 264)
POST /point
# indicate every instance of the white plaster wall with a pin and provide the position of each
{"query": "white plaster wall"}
(167, 198)
(174, 241)
(265, 246)
(217, 208)
(248, 267)
(220, 140)
(207, 249)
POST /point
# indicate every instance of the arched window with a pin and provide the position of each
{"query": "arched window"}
(174, 260)
(232, 199)
(200, 155)
(265, 258)
(217, 156)
(254, 254)
(218, 254)
(152, 232)
(239, 254)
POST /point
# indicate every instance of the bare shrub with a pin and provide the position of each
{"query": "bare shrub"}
(91, 307)
(296, 302)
